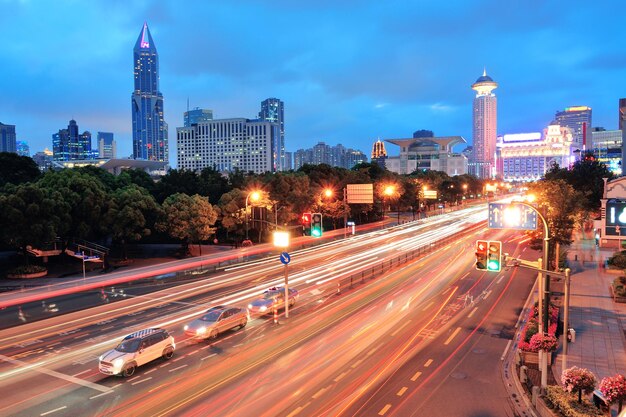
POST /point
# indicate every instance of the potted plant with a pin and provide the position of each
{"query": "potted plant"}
(577, 379)
(614, 389)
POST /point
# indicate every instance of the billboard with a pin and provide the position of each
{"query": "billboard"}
(615, 218)
(360, 193)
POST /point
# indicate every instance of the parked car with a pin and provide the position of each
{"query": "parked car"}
(135, 350)
(217, 320)
(273, 298)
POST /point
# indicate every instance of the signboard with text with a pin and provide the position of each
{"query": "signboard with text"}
(360, 193)
(512, 216)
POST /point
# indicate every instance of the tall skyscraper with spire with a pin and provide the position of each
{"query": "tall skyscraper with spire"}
(484, 130)
(149, 127)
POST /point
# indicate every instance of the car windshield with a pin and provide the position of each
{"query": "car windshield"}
(271, 294)
(128, 346)
(211, 316)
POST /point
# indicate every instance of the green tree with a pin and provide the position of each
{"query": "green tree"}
(177, 181)
(138, 177)
(232, 212)
(32, 215)
(132, 215)
(213, 184)
(188, 218)
(86, 198)
(16, 169)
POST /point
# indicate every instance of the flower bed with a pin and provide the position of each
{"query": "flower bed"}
(568, 403)
(529, 332)
(27, 271)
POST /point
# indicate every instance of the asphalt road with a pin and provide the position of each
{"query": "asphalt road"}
(342, 351)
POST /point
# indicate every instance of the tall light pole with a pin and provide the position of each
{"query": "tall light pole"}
(388, 191)
(256, 196)
(281, 240)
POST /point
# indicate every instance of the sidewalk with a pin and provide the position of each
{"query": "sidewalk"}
(599, 322)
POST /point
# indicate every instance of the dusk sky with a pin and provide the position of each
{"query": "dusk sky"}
(348, 71)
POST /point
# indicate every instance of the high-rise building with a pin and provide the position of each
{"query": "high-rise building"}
(607, 148)
(8, 142)
(484, 130)
(44, 159)
(68, 144)
(228, 144)
(578, 119)
(379, 153)
(149, 127)
(336, 156)
(107, 147)
(197, 115)
(273, 110)
(22, 148)
(288, 161)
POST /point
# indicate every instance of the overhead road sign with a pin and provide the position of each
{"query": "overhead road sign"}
(512, 216)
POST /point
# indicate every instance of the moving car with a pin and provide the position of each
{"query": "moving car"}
(273, 298)
(217, 320)
(137, 349)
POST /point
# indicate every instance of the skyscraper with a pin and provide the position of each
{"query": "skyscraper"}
(8, 142)
(149, 127)
(484, 129)
(107, 147)
(273, 110)
(69, 145)
(578, 119)
(197, 115)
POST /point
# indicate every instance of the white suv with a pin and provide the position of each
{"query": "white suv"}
(135, 350)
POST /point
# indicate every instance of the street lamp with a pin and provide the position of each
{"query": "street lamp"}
(281, 240)
(388, 191)
(255, 196)
(544, 287)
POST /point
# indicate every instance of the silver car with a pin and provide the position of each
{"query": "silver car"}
(217, 320)
(273, 298)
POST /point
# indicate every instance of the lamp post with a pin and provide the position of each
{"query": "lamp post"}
(387, 192)
(544, 289)
(281, 240)
(256, 196)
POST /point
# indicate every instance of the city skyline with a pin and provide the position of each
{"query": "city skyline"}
(363, 71)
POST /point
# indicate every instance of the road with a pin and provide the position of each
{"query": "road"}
(341, 342)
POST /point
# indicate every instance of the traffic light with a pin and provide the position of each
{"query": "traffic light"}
(306, 224)
(481, 254)
(316, 225)
(494, 256)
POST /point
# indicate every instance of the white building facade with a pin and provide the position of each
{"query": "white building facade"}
(230, 144)
(426, 154)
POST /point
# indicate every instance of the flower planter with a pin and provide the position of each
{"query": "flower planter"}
(532, 358)
(28, 276)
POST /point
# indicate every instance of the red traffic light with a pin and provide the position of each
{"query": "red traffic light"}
(306, 218)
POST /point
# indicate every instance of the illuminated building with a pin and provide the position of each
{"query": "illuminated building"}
(68, 144)
(336, 156)
(484, 129)
(273, 110)
(379, 154)
(8, 142)
(197, 115)
(607, 148)
(425, 154)
(578, 119)
(228, 145)
(107, 147)
(43, 159)
(528, 156)
(149, 127)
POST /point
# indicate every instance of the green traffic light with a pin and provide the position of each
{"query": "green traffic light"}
(316, 232)
(493, 266)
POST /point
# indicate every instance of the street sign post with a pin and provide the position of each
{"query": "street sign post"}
(285, 258)
(512, 216)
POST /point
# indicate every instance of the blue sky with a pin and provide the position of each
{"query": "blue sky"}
(348, 71)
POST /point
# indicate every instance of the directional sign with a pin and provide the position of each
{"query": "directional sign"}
(512, 216)
(285, 258)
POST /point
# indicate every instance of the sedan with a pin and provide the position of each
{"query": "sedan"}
(217, 320)
(273, 298)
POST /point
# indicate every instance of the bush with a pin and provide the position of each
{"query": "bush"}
(26, 269)
(546, 343)
(568, 404)
(614, 389)
(579, 380)
(618, 260)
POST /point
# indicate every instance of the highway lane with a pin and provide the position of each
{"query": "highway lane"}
(319, 278)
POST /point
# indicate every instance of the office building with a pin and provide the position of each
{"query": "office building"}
(149, 127)
(335, 156)
(107, 147)
(379, 153)
(288, 161)
(197, 115)
(606, 146)
(68, 144)
(273, 110)
(428, 154)
(578, 120)
(43, 159)
(8, 142)
(484, 128)
(528, 156)
(22, 148)
(228, 145)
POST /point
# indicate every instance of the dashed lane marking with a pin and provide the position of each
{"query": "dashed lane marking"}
(384, 410)
(472, 313)
(402, 391)
(142, 380)
(417, 375)
(180, 367)
(100, 395)
(53, 411)
(452, 336)
(319, 393)
(340, 377)
(401, 327)
(428, 362)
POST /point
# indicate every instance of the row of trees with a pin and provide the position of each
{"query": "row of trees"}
(92, 204)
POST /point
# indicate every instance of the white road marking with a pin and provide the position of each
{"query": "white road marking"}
(487, 295)
(100, 395)
(384, 410)
(401, 327)
(142, 380)
(505, 350)
(417, 375)
(402, 391)
(320, 392)
(428, 362)
(41, 369)
(355, 364)
(472, 313)
(340, 377)
(180, 367)
(429, 304)
(452, 336)
(53, 411)
(80, 373)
